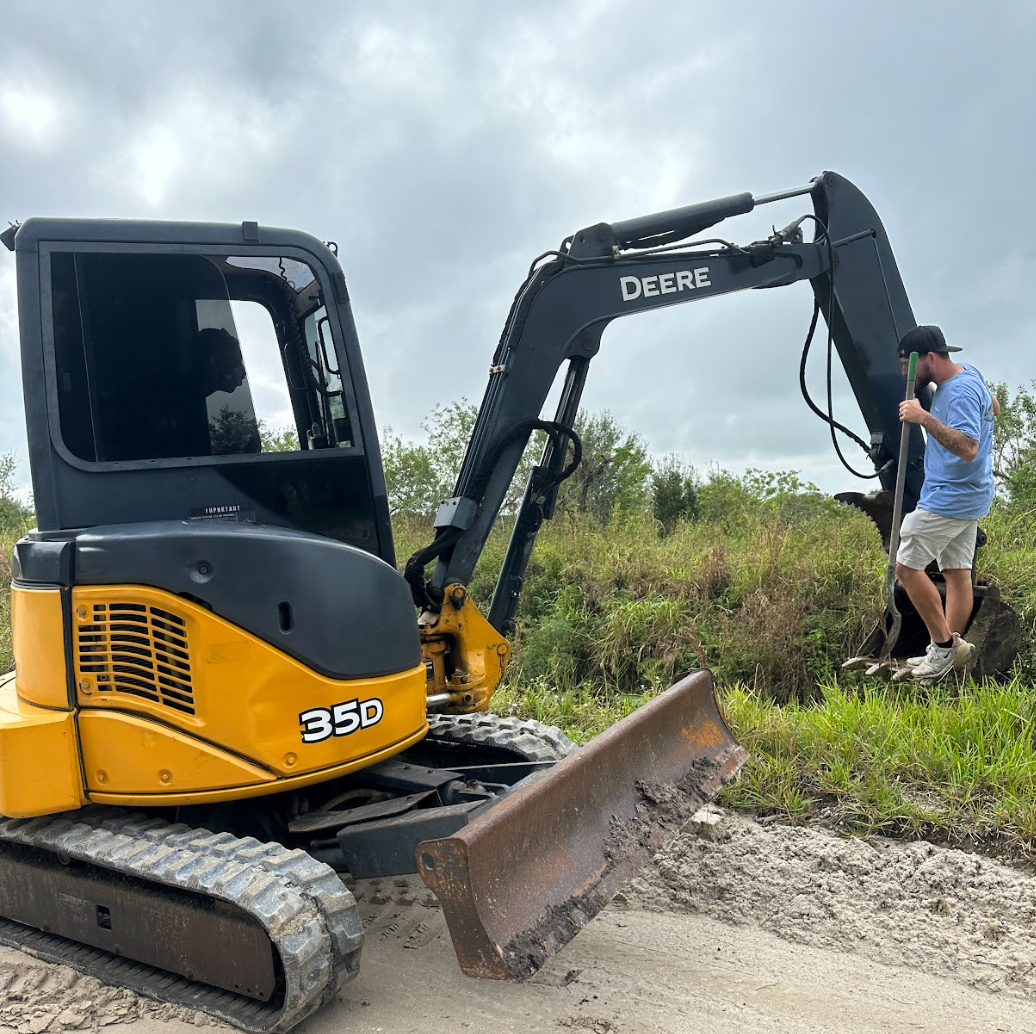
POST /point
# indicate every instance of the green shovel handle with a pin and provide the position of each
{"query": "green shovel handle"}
(912, 369)
(893, 628)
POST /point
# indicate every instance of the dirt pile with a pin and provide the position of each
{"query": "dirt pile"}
(942, 911)
(852, 905)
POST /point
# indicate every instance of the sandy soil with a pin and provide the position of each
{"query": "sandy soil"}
(736, 926)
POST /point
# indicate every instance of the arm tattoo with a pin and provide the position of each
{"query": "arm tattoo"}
(957, 442)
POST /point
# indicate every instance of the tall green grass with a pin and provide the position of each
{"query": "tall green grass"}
(9, 535)
(773, 597)
(950, 762)
(775, 602)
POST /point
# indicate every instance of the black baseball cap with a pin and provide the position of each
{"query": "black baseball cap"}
(923, 340)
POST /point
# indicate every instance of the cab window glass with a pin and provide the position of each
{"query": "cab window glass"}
(178, 356)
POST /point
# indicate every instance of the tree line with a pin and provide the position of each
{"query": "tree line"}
(618, 476)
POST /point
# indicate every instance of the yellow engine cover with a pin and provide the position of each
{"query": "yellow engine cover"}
(176, 705)
(38, 639)
(39, 756)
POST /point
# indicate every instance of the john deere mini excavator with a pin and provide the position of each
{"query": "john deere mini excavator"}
(224, 694)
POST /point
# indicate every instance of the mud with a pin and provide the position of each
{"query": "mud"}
(531, 948)
(662, 811)
(945, 912)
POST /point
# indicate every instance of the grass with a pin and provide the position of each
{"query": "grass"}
(610, 616)
(581, 713)
(953, 763)
(9, 535)
(771, 599)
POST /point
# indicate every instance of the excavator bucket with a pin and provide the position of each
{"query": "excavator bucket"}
(523, 879)
(993, 629)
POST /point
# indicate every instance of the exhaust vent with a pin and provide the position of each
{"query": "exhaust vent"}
(138, 650)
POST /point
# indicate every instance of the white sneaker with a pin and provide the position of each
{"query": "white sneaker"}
(937, 662)
(963, 654)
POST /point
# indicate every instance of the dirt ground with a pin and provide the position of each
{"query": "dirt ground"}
(737, 926)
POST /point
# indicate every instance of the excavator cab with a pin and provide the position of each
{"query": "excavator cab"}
(198, 570)
(159, 359)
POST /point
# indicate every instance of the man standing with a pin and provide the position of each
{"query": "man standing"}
(958, 490)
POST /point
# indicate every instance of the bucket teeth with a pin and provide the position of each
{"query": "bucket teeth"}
(858, 664)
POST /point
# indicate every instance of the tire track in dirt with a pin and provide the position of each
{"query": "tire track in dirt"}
(399, 908)
(37, 996)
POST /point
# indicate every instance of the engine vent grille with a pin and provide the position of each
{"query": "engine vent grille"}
(136, 649)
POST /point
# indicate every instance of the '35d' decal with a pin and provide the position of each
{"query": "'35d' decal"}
(321, 723)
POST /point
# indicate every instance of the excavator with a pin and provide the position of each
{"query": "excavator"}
(227, 702)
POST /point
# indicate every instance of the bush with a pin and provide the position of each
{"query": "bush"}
(627, 610)
(674, 494)
(15, 516)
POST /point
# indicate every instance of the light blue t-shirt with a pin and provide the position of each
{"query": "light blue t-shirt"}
(954, 487)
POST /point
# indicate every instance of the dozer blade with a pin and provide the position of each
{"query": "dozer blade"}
(524, 878)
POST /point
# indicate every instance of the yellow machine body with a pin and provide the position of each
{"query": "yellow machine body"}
(140, 697)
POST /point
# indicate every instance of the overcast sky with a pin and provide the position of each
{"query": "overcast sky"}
(445, 144)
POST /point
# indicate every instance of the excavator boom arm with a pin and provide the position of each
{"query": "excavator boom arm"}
(615, 270)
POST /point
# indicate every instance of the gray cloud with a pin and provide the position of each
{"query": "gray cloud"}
(444, 145)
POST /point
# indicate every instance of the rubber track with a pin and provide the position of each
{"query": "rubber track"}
(310, 916)
(527, 738)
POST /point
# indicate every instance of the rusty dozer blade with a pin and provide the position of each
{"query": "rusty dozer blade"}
(523, 879)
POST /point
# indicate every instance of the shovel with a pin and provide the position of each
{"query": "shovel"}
(895, 623)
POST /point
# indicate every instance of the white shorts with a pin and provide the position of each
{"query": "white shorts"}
(925, 537)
